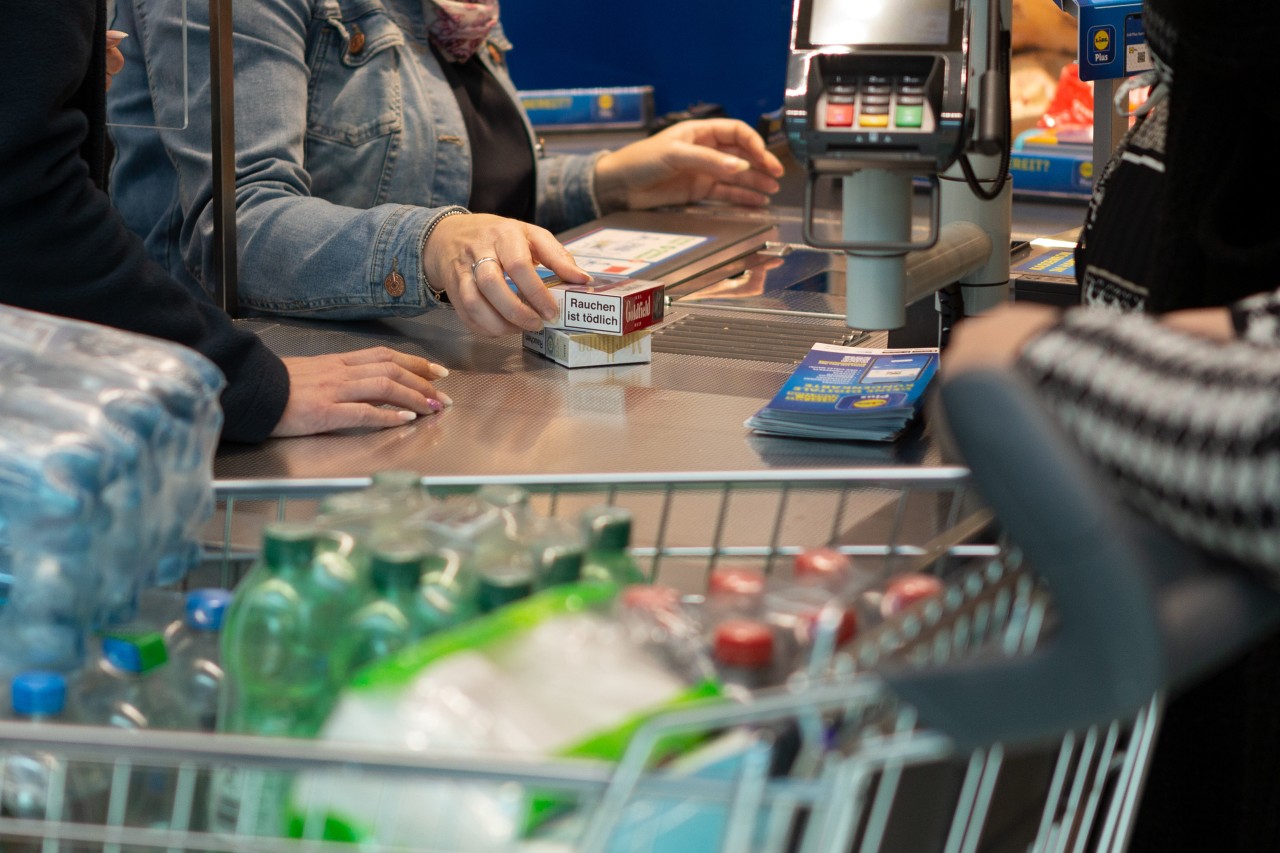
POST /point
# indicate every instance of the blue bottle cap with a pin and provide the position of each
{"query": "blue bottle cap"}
(38, 692)
(135, 652)
(206, 607)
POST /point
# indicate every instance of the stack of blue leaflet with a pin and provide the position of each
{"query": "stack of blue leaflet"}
(106, 457)
(855, 393)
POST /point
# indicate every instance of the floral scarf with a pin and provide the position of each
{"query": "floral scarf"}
(460, 28)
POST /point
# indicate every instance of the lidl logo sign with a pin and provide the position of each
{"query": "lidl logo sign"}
(1102, 45)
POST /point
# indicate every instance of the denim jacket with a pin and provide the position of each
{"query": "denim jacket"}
(349, 146)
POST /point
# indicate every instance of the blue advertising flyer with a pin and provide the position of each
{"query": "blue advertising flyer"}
(849, 392)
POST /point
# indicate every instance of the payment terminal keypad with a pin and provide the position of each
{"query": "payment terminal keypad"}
(876, 103)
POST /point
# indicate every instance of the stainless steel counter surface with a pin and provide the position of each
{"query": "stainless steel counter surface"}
(518, 413)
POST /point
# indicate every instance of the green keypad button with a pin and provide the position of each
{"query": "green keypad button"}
(908, 116)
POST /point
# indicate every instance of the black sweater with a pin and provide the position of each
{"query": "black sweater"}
(63, 248)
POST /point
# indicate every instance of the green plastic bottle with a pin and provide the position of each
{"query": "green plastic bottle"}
(607, 531)
(276, 642)
(558, 550)
(446, 594)
(388, 622)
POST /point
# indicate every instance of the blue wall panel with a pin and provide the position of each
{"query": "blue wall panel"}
(728, 53)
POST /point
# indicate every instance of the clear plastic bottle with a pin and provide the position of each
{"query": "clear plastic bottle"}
(734, 591)
(393, 495)
(656, 618)
(607, 531)
(119, 690)
(194, 672)
(801, 615)
(36, 785)
(743, 650)
(827, 567)
(514, 505)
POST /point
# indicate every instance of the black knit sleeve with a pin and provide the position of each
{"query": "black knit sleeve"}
(65, 250)
(1189, 430)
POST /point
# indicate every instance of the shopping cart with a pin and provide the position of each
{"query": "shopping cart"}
(1016, 712)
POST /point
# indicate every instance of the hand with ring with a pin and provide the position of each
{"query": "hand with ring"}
(471, 256)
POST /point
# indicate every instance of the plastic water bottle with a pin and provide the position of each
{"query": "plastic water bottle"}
(505, 581)
(558, 552)
(391, 620)
(194, 672)
(513, 503)
(277, 679)
(744, 654)
(733, 591)
(276, 642)
(36, 785)
(655, 617)
(446, 594)
(607, 531)
(376, 512)
(823, 566)
(120, 689)
(806, 619)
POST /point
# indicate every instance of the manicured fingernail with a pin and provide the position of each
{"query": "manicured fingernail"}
(435, 405)
(444, 398)
(440, 370)
(118, 35)
(406, 415)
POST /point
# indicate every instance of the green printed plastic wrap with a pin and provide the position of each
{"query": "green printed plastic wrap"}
(553, 675)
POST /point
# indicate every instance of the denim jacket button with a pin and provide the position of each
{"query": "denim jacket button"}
(394, 284)
(356, 44)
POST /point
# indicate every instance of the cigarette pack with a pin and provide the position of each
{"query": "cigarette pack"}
(609, 305)
(588, 349)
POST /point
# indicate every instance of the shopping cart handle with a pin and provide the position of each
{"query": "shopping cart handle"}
(1136, 611)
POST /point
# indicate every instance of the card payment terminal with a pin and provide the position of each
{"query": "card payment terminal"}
(876, 83)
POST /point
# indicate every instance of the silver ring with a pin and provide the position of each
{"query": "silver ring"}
(477, 264)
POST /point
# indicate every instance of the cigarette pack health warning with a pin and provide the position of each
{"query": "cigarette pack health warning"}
(589, 349)
(610, 305)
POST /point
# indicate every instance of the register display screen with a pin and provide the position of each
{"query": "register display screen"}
(879, 22)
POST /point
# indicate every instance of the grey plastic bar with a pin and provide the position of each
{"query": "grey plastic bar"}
(1136, 611)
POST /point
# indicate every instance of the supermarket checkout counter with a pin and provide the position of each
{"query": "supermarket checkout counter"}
(743, 310)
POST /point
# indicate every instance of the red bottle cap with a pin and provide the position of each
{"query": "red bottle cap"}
(906, 590)
(643, 596)
(735, 580)
(822, 565)
(846, 630)
(743, 642)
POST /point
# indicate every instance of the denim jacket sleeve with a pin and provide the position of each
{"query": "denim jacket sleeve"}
(298, 254)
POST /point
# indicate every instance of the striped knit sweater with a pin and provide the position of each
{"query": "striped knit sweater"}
(1190, 431)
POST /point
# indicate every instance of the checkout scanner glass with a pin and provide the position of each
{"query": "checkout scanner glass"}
(878, 22)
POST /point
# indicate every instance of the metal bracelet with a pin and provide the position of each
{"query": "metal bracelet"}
(440, 295)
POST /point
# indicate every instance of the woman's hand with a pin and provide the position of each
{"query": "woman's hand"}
(115, 59)
(715, 159)
(471, 255)
(351, 389)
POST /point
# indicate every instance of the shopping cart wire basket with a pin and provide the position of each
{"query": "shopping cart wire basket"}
(1016, 712)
